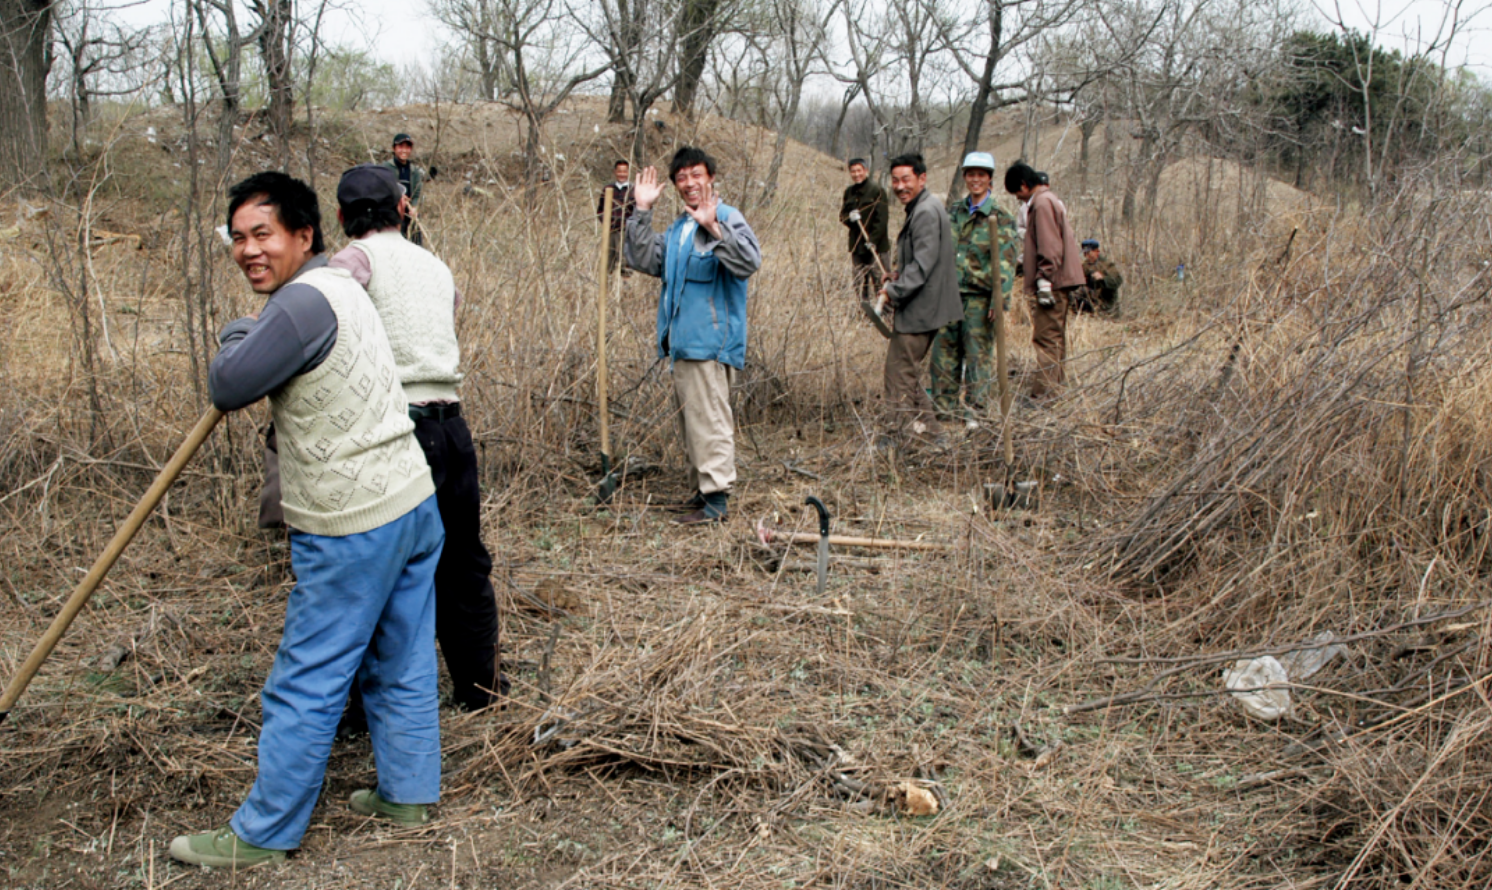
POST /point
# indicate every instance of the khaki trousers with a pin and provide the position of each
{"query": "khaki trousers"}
(706, 426)
(906, 400)
(1049, 337)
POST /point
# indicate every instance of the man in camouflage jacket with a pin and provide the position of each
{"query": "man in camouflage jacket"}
(1103, 282)
(963, 352)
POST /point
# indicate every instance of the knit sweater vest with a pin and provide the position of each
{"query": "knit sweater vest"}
(416, 298)
(349, 461)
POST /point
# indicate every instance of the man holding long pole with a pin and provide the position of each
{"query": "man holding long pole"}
(961, 351)
(365, 532)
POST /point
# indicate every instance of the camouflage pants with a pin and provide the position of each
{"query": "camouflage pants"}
(962, 356)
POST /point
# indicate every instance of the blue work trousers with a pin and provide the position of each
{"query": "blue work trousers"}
(363, 607)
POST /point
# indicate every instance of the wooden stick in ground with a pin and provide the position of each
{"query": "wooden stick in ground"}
(601, 331)
(1002, 355)
(106, 560)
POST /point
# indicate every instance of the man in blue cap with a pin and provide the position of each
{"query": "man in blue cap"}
(1101, 293)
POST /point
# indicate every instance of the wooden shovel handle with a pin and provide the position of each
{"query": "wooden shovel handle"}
(106, 560)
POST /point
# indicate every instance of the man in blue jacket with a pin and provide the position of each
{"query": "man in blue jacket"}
(703, 260)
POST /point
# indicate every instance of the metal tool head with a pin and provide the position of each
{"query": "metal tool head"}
(875, 318)
(824, 516)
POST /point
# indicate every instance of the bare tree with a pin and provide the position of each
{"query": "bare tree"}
(224, 47)
(473, 20)
(104, 60)
(799, 30)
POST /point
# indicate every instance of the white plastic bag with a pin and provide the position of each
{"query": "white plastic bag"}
(1268, 695)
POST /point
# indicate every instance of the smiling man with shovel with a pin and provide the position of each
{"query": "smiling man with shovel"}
(365, 532)
(703, 260)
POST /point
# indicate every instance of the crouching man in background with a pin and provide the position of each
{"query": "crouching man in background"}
(365, 532)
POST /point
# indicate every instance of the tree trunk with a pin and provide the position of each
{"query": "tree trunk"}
(980, 107)
(25, 34)
(274, 45)
(696, 30)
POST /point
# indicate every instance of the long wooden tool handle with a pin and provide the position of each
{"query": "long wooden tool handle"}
(106, 560)
(601, 294)
(847, 541)
(1002, 354)
(875, 254)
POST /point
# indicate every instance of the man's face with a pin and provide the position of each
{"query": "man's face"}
(858, 173)
(268, 253)
(403, 151)
(1091, 255)
(1023, 193)
(622, 171)
(906, 184)
(694, 185)
(977, 182)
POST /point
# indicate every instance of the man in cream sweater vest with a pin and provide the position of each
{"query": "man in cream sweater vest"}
(365, 532)
(416, 297)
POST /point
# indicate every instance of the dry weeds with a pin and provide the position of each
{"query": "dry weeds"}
(1288, 443)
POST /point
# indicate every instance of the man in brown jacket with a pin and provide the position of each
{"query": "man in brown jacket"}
(923, 294)
(1053, 270)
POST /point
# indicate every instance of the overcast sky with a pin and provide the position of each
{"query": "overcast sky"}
(403, 30)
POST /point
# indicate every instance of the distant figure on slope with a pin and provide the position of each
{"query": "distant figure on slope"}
(412, 177)
(622, 208)
(703, 260)
(865, 212)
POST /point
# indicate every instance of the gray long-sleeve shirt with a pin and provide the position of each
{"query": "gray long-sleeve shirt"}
(293, 334)
(737, 249)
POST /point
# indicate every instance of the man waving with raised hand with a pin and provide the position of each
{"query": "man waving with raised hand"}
(703, 260)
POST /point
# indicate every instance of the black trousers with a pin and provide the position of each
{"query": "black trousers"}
(466, 622)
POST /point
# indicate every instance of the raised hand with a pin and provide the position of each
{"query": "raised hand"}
(648, 189)
(704, 214)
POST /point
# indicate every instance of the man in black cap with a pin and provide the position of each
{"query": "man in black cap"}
(1101, 293)
(413, 180)
(416, 299)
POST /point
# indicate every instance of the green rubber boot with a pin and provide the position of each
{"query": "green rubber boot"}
(221, 849)
(368, 803)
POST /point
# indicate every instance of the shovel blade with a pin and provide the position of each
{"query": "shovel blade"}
(875, 318)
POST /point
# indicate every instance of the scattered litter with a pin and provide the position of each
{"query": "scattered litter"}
(1261, 686)
(1301, 664)
(912, 800)
(223, 233)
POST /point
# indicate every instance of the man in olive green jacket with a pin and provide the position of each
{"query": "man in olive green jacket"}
(413, 180)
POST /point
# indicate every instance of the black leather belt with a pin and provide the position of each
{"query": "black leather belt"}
(437, 413)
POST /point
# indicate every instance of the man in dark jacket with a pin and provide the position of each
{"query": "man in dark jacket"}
(413, 180)
(1053, 271)
(923, 294)
(621, 211)
(865, 213)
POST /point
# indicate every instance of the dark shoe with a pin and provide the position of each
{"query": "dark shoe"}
(695, 502)
(368, 803)
(714, 510)
(221, 849)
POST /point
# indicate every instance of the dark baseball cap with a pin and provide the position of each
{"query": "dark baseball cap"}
(401, 138)
(1090, 244)
(369, 186)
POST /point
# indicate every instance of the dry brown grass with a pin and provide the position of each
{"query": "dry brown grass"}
(1275, 448)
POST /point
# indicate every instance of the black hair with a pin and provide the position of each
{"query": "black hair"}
(619, 162)
(911, 159)
(689, 156)
(1021, 173)
(854, 161)
(294, 202)
(362, 217)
